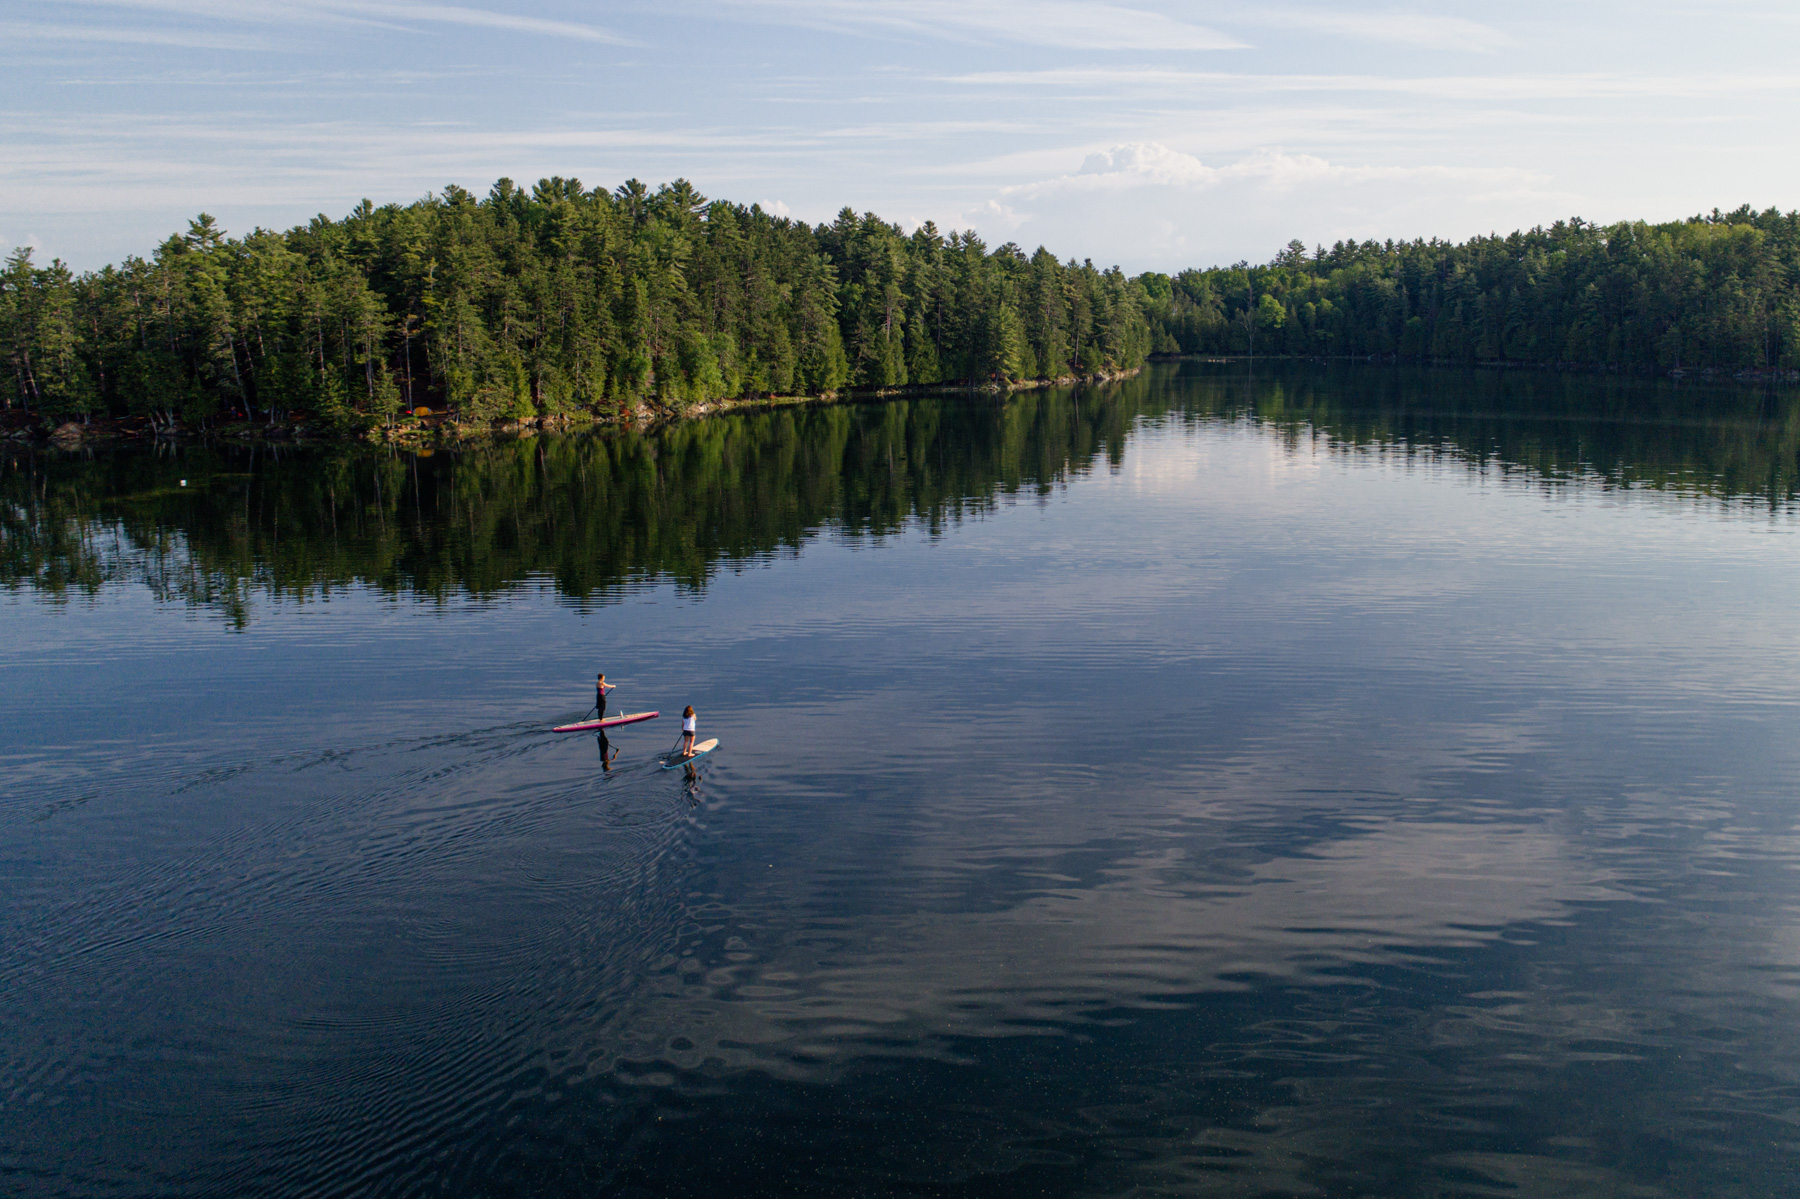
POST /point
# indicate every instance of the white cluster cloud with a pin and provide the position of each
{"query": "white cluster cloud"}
(1161, 205)
(1135, 165)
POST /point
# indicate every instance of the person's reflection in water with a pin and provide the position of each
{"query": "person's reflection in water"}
(607, 752)
(691, 782)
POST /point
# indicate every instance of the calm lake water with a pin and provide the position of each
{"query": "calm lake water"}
(1337, 782)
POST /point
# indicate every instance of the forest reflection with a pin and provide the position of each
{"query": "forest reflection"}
(592, 514)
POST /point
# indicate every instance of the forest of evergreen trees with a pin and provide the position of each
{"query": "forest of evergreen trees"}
(1719, 291)
(564, 299)
(525, 305)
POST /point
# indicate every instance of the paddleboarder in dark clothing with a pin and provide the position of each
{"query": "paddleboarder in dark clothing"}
(601, 687)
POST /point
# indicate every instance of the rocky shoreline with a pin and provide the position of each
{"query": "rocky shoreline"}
(429, 428)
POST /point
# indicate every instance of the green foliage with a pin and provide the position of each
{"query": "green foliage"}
(520, 305)
(560, 299)
(40, 338)
(1719, 291)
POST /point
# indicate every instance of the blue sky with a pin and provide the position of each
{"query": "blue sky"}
(1146, 133)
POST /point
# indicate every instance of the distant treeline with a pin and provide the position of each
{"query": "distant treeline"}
(1718, 291)
(565, 299)
(523, 305)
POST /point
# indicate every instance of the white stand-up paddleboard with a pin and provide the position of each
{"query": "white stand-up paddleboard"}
(611, 722)
(700, 751)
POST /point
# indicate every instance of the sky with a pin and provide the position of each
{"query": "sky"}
(1150, 134)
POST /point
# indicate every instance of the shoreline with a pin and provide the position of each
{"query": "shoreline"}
(1714, 374)
(436, 429)
(439, 430)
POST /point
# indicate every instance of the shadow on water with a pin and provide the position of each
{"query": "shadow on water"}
(595, 514)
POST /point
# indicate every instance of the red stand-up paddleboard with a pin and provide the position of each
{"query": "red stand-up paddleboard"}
(611, 722)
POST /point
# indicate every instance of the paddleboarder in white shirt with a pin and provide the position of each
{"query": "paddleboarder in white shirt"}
(687, 732)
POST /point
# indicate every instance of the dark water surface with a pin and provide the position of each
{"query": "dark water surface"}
(1343, 782)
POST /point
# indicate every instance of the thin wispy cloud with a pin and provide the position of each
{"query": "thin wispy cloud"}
(1077, 24)
(1060, 23)
(1425, 31)
(252, 160)
(392, 13)
(477, 18)
(1154, 133)
(19, 32)
(1161, 81)
(922, 130)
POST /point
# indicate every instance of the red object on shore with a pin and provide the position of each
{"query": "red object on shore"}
(588, 726)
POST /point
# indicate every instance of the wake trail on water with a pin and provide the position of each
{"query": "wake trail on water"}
(322, 826)
(352, 934)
